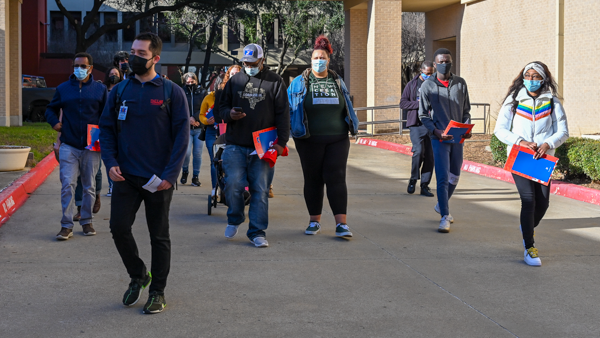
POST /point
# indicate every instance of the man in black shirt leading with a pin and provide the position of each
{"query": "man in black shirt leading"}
(419, 136)
(251, 101)
(144, 133)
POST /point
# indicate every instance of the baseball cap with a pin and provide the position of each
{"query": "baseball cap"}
(252, 53)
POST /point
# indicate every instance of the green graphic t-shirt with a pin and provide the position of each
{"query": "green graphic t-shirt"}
(325, 107)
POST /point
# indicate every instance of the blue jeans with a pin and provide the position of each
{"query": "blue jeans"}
(448, 158)
(73, 163)
(197, 144)
(241, 170)
(211, 137)
(79, 188)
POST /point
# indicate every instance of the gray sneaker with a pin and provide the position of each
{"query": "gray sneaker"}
(444, 225)
(231, 230)
(437, 209)
(260, 242)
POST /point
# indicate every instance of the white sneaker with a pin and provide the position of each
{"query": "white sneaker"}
(231, 230)
(444, 224)
(213, 192)
(437, 209)
(260, 242)
(109, 194)
(532, 258)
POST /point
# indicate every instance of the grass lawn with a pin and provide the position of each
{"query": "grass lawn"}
(38, 136)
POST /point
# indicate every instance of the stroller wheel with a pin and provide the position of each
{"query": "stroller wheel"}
(210, 202)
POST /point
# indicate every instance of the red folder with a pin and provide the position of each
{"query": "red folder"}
(93, 137)
(457, 130)
(521, 162)
(263, 140)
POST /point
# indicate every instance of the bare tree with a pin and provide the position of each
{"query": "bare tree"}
(413, 44)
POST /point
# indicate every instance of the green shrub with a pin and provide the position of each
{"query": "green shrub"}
(579, 156)
(498, 150)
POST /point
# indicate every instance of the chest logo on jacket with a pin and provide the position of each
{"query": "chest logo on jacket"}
(253, 95)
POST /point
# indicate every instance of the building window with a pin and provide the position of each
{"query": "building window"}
(128, 32)
(164, 28)
(57, 25)
(110, 18)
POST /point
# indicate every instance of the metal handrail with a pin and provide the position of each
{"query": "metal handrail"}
(400, 121)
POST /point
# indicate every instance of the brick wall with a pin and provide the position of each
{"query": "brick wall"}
(15, 63)
(356, 56)
(3, 60)
(384, 54)
(498, 38)
(582, 45)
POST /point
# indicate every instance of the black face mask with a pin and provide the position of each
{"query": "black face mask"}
(138, 65)
(114, 79)
(443, 68)
(192, 87)
(125, 67)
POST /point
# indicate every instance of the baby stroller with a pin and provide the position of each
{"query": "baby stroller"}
(219, 196)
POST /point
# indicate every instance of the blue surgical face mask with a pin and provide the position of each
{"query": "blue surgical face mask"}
(319, 65)
(80, 74)
(533, 85)
(251, 71)
(425, 76)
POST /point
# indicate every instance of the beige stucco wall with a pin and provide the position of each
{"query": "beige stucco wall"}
(498, 38)
(442, 24)
(582, 46)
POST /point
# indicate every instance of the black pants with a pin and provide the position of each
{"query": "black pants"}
(535, 198)
(323, 160)
(422, 155)
(127, 197)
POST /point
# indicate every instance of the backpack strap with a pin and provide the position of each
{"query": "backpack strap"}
(168, 91)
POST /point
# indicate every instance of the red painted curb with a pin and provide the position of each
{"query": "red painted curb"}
(13, 197)
(560, 188)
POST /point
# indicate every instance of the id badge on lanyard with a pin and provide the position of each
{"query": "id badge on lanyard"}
(123, 112)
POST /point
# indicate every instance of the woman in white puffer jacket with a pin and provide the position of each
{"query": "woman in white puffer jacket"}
(532, 117)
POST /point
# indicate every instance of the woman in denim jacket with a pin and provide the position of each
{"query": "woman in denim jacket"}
(321, 117)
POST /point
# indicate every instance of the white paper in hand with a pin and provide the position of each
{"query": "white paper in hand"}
(153, 184)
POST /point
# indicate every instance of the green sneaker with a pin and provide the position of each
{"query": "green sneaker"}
(156, 303)
(313, 228)
(342, 230)
(133, 293)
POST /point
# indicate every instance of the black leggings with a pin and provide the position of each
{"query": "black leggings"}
(323, 160)
(535, 198)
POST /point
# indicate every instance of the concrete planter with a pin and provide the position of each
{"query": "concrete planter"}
(592, 137)
(13, 157)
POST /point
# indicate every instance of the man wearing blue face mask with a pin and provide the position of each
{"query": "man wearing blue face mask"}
(419, 137)
(82, 100)
(251, 101)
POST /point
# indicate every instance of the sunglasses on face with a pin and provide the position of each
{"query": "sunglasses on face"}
(81, 66)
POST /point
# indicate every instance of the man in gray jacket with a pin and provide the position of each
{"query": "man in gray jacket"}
(444, 97)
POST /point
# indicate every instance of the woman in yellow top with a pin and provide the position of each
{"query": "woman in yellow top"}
(208, 108)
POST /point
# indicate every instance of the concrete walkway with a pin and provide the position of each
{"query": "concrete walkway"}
(398, 277)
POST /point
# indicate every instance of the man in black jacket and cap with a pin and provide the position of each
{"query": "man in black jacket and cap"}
(419, 136)
(251, 101)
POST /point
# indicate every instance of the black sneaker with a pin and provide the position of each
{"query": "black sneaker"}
(195, 181)
(411, 186)
(425, 191)
(184, 176)
(132, 295)
(156, 303)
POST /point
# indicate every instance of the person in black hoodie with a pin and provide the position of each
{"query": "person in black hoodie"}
(251, 101)
(144, 132)
(194, 95)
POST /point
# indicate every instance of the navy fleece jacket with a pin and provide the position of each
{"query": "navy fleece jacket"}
(150, 141)
(80, 107)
